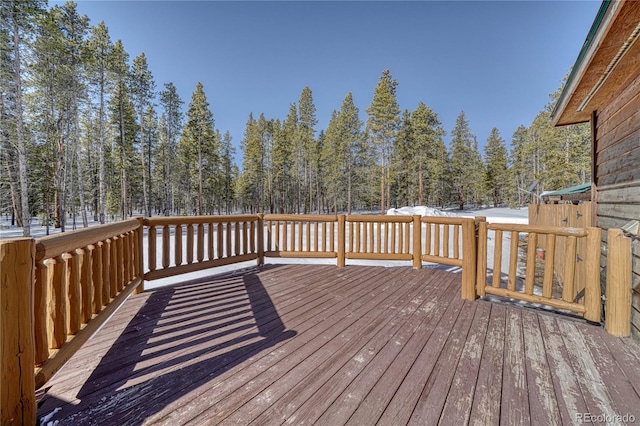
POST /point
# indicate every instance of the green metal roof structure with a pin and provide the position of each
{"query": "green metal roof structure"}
(578, 192)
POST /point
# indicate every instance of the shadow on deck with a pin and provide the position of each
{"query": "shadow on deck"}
(360, 345)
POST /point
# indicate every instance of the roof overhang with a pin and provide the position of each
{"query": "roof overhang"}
(608, 61)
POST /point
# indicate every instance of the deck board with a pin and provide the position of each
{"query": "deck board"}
(307, 344)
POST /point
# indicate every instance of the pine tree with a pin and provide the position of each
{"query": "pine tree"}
(427, 140)
(334, 160)
(282, 164)
(150, 138)
(124, 121)
(143, 91)
(495, 152)
(199, 148)
(227, 183)
(308, 146)
(466, 163)
(350, 130)
(403, 163)
(170, 130)
(58, 76)
(99, 46)
(17, 21)
(382, 127)
(251, 185)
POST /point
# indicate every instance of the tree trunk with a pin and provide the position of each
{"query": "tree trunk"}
(15, 202)
(102, 192)
(199, 180)
(83, 209)
(22, 157)
(123, 175)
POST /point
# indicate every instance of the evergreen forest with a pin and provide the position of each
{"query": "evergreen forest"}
(86, 133)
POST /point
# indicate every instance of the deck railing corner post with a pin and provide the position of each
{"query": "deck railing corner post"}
(469, 259)
(417, 241)
(139, 254)
(260, 239)
(17, 344)
(341, 240)
(481, 256)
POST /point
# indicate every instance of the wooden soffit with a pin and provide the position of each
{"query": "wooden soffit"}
(608, 62)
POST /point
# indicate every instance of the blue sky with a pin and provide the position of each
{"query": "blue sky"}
(497, 61)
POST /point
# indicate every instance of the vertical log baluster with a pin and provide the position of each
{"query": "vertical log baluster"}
(568, 286)
(189, 243)
(151, 255)
(113, 269)
(121, 263)
(96, 276)
(530, 275)
(550, 254)
(445, 242)
(245, 238)
(497, 259)
(56, 303)
(166, 246)
(210, 243)
(228, 248)
(456, 241)
(106, 271)
(513, 261)
(220, 252)
(177, 254)
(236, 240)
(40, 314)
(86, 282)
(74, 301)
(200, 243)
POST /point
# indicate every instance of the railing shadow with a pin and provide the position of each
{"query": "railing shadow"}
(182, 337)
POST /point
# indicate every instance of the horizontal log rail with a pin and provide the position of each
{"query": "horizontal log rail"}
(538, 285)
(58, 290)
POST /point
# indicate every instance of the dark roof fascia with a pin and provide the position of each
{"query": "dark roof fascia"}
(585, 47)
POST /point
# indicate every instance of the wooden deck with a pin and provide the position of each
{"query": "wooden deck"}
(359, 345)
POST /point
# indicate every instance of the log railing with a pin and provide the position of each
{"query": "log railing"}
(538, 285)
(313, 236)
(384, 238)
(58, 290)
(192, 243)
(451, 241)
(55, 292)
(81, 278)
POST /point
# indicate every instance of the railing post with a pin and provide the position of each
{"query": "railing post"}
(341, 240)
(469, 259)
(17, 352)
(481, 255)
(417, 241)
(618, 304)
(592, 291)
(260, 239)
(139, 255)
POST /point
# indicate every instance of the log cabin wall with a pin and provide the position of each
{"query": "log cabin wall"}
(617, 176)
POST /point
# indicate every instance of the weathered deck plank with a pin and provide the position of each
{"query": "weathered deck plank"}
(303, 344)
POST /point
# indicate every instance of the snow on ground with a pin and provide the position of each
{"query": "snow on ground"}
(493, 215)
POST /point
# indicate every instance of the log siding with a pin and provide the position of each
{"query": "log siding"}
(617, 177)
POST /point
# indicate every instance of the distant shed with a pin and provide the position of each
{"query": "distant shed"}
(604, 89)
(573, 194)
